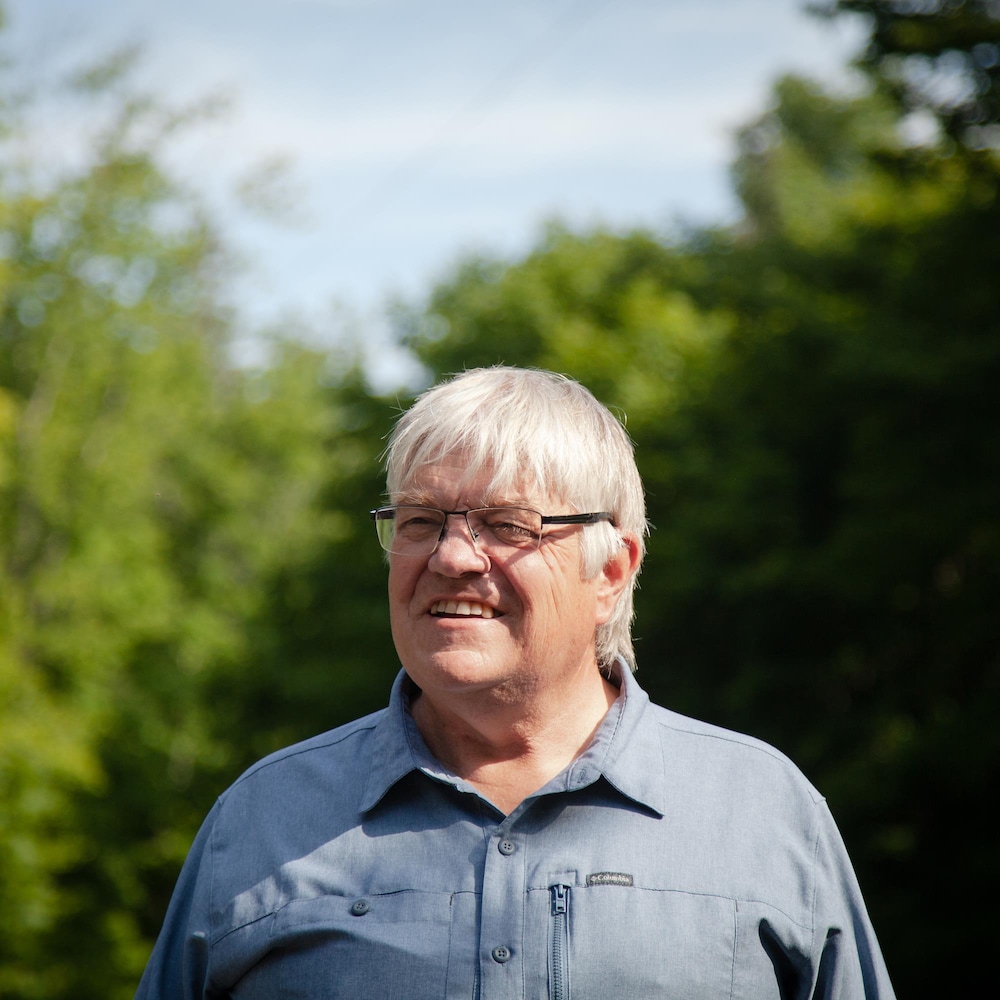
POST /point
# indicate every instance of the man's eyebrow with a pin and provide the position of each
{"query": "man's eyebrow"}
(414, 499)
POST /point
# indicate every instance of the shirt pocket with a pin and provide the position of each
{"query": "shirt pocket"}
(649, 943)
(337, 946)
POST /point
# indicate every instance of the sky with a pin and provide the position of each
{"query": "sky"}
(413, 133)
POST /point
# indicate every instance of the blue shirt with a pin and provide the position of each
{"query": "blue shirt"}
(672, 859)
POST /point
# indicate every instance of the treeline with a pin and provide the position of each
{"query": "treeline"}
(188, 578)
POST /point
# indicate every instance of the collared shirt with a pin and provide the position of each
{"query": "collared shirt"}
(672, 859)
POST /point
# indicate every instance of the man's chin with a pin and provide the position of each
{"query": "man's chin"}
(458, 670)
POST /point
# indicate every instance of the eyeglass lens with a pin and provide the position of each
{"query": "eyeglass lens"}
(417, 530)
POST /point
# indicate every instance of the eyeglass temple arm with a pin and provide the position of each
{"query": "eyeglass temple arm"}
(578, 518)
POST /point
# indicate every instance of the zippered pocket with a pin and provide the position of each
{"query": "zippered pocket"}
(559, 948)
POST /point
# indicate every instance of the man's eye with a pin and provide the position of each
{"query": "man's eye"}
(513, 527)
(511, 531)
(417, 523)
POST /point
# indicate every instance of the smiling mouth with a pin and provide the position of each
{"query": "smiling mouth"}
(462, 609)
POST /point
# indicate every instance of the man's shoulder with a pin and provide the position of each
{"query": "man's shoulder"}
(713, 749)
(697, 729)
(341, 747)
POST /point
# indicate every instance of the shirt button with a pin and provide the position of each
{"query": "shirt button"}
(506, 847)
(360, 907)
(501, 954)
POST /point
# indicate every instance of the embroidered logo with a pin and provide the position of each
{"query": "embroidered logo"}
(610, 878)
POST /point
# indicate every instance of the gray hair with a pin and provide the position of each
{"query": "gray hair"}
(534, 429)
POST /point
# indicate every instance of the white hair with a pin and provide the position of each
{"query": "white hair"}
(534, 429)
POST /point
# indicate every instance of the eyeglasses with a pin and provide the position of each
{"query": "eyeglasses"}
(407, 530)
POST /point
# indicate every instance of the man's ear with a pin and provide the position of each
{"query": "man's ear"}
(616, 576)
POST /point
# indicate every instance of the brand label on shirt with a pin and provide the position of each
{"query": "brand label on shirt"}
(610, 878)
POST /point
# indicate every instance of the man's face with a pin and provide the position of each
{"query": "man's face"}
(462, 620)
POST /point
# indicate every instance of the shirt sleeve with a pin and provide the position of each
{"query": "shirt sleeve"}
(178, 966)
(850, 964)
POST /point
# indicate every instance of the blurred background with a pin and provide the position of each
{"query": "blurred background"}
(237, 238)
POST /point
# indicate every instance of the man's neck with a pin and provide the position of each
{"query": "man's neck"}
(509, 751)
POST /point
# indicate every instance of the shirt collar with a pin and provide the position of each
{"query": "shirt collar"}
(626, 749)
(392, 756)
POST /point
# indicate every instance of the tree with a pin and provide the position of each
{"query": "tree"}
(103, 336)
(162, 510)
(812, 397)
(939, 56)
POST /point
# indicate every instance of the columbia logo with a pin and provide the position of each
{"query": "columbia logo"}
(610, 878)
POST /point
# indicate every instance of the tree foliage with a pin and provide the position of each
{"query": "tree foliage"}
(812, 395)
(941, 56)
(160, 509)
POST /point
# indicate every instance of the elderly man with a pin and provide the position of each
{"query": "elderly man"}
(520, 822)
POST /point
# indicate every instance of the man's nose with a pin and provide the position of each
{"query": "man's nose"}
(458, 550)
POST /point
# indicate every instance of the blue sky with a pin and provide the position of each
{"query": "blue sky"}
(418, 131)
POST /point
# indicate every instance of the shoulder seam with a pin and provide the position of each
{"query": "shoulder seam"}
(748, 743)
(321, 742)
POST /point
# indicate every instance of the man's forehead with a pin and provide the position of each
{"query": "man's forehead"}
(452, 484)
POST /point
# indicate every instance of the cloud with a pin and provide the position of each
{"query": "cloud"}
(419, 128)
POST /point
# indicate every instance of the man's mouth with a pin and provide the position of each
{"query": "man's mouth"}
(462, 609)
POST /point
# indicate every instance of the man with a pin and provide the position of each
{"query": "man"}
(520, 822)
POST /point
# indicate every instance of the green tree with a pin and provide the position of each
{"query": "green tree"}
(162, 514)
(812, 394)
(106, 327)
(941, 56)
(612, 309)
(869, 346)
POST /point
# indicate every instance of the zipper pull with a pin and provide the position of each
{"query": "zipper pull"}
(560, 898)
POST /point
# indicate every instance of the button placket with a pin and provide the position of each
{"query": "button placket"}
(502, 921)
